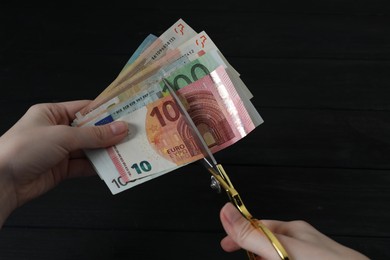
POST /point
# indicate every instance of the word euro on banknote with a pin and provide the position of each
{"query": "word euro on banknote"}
(160, 141)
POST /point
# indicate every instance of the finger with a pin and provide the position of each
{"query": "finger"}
(244, 234)
(72, 107)
(277, 226)
(297, 228)
(95, 136)
(57, 113)
(229, 245)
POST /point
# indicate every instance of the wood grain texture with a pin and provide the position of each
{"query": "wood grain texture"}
(319, 72)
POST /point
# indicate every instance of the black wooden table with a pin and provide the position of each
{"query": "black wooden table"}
(319, 72)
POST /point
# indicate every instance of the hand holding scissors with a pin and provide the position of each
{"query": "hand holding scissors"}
(220, 180)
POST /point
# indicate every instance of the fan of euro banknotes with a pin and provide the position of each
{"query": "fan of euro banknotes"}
(159, 140)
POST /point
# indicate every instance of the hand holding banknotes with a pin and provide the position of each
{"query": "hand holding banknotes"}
(300, 239)
(41, 150)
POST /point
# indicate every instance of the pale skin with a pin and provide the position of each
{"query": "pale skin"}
(42, 149)
(299, 238)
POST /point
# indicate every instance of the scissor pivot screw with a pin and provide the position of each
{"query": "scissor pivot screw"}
(215, 184)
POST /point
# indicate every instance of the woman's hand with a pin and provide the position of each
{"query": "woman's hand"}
(300, 239)
(42, 149)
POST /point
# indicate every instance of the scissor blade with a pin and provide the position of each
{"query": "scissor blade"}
(194, 130)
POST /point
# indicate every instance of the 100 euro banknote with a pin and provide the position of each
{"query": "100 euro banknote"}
(153, 88)
(160, 140)
(190, 50)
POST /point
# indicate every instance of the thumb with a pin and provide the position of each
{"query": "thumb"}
(98, 136)
(241, 231)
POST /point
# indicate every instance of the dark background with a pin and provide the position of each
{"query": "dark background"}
(319, 72)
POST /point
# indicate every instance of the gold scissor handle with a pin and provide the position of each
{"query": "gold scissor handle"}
(235, 198)
(271, 237)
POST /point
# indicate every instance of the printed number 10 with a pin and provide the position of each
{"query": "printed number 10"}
(169, 110)
(143, 166)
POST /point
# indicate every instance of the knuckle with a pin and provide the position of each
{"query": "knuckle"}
(299, 224)
(100, 133)
(37, 107)
(244, 232)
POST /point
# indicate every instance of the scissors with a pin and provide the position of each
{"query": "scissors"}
(220, 180)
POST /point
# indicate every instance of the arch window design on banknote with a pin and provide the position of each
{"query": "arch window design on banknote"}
(209, 118)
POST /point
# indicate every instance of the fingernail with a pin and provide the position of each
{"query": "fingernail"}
(118, 127)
